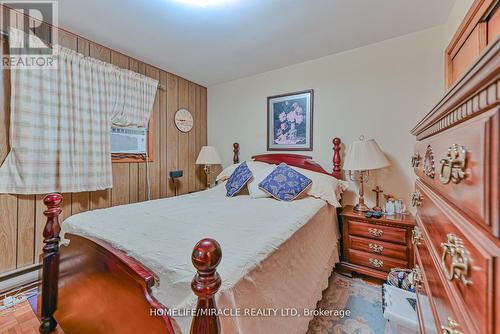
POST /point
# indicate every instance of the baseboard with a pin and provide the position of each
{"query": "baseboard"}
(20, 278)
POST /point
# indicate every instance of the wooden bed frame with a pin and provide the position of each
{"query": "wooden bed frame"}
(91, 287)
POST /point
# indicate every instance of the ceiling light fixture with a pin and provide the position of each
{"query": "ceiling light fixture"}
(204, 3)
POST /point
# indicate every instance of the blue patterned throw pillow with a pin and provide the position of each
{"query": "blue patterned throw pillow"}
(285, 183)
(238, 179)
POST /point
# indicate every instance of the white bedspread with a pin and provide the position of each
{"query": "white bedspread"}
(161, 235)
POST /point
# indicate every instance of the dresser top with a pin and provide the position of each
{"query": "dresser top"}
(398, 218)
(474, 93)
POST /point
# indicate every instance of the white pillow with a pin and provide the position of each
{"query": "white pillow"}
(258, 177)
(324, 186)
(254, 166)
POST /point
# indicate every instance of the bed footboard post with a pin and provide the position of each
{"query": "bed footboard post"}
(206, 257)
(337, 161)
(236, 151)
(50, 269)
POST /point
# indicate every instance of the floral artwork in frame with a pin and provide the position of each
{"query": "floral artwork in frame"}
(290, 121)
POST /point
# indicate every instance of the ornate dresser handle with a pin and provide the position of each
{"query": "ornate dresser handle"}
(453, 165)
(460, 260)
(415, 159)
(450, 328)
(376, 248)
(376, 262)
(375, 232)
(416, 236)
(416, 198)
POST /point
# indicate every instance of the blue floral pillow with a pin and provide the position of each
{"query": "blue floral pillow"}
(285, 183)
(238, 179)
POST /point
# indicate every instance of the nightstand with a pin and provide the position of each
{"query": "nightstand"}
(374, 246)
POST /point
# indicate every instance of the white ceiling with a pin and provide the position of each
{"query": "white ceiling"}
(218, 43)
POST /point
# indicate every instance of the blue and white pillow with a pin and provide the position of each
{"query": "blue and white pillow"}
(238, 179)
(285, 183)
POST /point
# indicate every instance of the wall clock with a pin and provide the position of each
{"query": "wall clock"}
(183, 120)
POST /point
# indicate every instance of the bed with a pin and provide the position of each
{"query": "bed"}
(277, 260)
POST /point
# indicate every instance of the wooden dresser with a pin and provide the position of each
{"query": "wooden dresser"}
(373, 246)
(456, 241)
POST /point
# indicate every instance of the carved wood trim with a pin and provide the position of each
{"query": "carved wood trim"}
(477, 91)
(236, 153)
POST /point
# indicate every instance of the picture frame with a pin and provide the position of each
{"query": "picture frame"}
(290, 121)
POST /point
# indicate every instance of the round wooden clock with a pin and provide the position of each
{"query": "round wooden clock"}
(183, 120)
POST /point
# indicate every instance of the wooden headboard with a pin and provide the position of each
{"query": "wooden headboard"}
(298, 160)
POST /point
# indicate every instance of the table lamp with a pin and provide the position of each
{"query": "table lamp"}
(208, 156)
(361, 157)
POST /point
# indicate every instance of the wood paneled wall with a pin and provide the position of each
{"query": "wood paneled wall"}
(21, 216)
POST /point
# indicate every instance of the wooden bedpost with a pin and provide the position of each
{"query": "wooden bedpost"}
(206, 257)
(337, 161)
(50, 269)
(236, 151)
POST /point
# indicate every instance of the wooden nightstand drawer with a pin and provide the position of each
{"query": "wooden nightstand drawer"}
(373, 246)
(378, 247)
(377, 232)
(374, 261)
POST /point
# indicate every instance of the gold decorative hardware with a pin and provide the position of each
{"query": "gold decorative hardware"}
(429, 166)
(453, 165)
(375, 232)
(450, 328)
(417, 276)
(416, 198)
(416, 236)
(415, 159)
(376, 262)
(376, 248)
(460, 260)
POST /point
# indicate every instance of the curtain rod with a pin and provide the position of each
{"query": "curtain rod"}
(161, 86)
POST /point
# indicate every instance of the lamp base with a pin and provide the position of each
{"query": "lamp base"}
(361, 207)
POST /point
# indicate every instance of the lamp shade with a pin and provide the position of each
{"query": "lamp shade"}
(208, 156)
(365, 155)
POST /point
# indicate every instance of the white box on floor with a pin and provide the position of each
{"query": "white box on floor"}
(399, 312)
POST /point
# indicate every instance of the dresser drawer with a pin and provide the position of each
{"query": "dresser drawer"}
(374, 261)
(448, 232)
(433, 297)
(378, 247)
(377, 232)
(473, 194)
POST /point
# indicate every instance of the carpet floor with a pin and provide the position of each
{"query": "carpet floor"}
(352, 305)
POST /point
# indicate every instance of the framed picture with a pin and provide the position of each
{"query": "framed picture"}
(290, 121)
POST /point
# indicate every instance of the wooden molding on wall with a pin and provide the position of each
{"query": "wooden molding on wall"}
(21, 216)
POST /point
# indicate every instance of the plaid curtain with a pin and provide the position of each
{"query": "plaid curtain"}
(61, 119)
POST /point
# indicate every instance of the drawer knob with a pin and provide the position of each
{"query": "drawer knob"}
(376, 262)
(375, 232)
(450, 328)
(416, 236)
(460, 260)
(376, 248)
(453, 165)
(415, 160)
(416, 198)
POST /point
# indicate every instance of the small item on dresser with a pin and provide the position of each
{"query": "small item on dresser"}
(390, 207)
(362, 157)
(399, 207)
(373, 214)
(377, 191)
